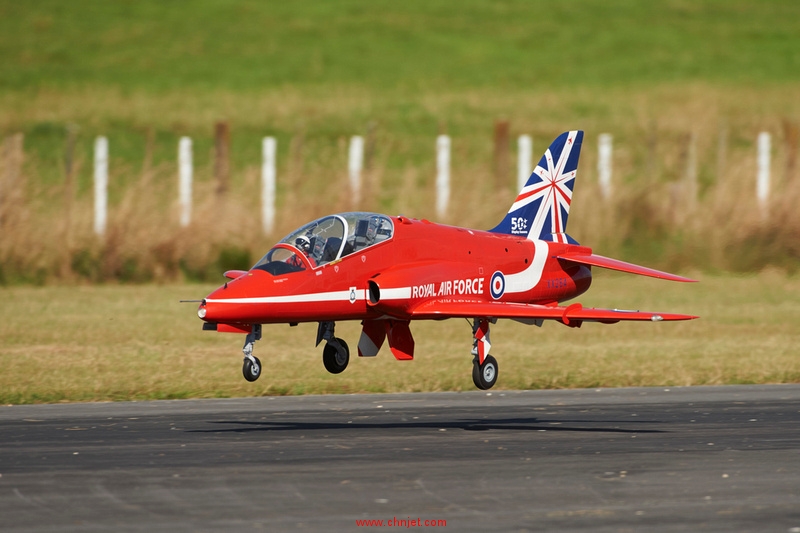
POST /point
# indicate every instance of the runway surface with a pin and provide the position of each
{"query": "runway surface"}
(677, 459)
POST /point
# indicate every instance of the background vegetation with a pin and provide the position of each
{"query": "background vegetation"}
(654, 74)
(665, 78)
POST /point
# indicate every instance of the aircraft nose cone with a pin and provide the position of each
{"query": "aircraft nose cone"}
(232, 302)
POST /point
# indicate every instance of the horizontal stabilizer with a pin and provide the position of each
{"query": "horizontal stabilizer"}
(622, 266)
(572, 314)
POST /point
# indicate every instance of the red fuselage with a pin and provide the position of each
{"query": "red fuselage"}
(421, 261)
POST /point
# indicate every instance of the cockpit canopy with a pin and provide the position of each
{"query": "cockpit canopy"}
(326, 239)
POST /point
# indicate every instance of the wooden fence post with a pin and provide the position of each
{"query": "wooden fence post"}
(222, 142)
(69, 196)
(691, 172)
(502, 149)
(791, 136)
(369, 145)
(11, 186)
(722, 152)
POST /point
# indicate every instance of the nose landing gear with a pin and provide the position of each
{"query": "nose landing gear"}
(251, 368)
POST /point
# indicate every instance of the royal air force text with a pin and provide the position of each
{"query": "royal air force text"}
(456, 287)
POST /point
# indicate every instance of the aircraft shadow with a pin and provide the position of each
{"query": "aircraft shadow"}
(508, 424)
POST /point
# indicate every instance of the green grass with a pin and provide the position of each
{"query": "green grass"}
(413, 45)
(137, 342)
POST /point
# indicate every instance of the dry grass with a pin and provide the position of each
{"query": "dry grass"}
(137, 342)
(656, 215)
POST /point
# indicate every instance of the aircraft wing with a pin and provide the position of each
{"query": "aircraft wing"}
(573, 314)
(622, 266)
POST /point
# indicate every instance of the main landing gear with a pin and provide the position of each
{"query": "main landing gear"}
(484, 366)
(484, 376)
(336, 353)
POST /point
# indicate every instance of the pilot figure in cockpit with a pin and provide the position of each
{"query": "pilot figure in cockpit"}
(303, 244)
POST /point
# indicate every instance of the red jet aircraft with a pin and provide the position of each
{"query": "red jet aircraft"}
(387, 271)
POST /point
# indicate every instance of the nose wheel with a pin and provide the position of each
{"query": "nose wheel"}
(251, 368)
(485, 376)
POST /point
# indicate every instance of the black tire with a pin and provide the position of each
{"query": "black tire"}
(335, 356)
(476, 372)
(251, 371)
(485, 376)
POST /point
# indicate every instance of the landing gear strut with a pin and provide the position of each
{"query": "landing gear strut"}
(336, 353)
(251, 368)
(484, 366)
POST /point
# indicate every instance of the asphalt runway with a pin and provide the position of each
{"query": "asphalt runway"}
(677, 459)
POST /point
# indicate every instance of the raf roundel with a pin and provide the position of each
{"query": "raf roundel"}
(498, 285)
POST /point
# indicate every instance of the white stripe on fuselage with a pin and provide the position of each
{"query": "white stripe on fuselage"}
(334, 296)
(530, 277)
(400, 293)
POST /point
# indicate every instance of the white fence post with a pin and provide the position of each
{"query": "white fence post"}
(100, 185)
(442, 174)
(355, 162)
(268, 147)
(762, 182)
(185, 170)
(604, 153)
(524, 153)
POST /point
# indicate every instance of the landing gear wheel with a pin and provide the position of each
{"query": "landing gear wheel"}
(335, 356)
(251, 370)
(485, 376)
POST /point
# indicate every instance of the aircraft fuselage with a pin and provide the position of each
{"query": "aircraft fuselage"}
(421, 261)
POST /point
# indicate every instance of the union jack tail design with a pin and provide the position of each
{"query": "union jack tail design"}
(542, 206)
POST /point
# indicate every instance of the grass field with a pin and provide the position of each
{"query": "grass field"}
(654, 74)
(137, 342)
(666, 78)
(418, 45)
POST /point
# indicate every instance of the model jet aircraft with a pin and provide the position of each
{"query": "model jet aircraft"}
(387, 271)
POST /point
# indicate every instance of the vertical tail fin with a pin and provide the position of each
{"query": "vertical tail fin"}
(542, 206)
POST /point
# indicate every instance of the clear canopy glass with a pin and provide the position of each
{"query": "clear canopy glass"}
(326, 239)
